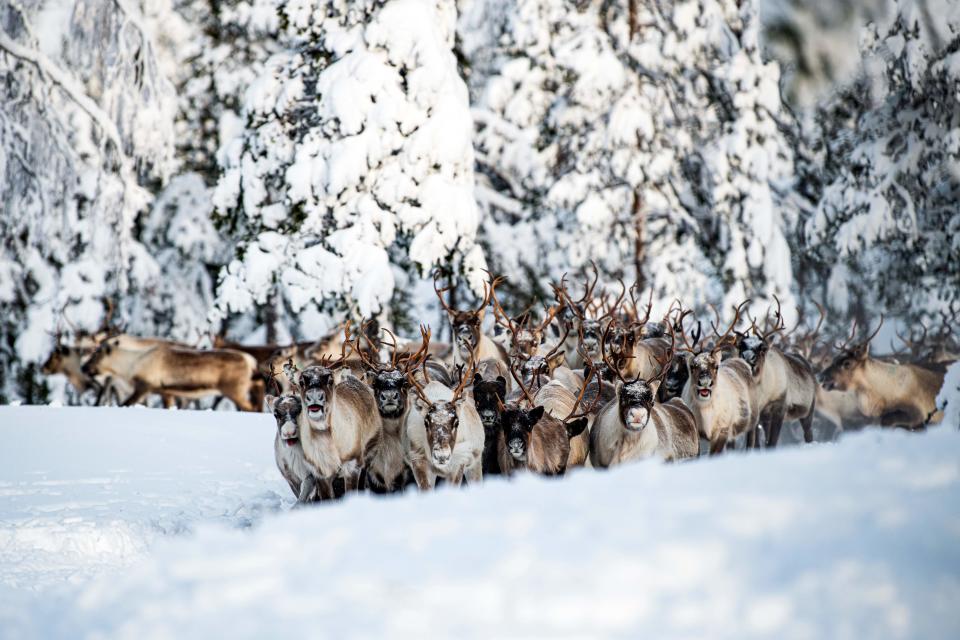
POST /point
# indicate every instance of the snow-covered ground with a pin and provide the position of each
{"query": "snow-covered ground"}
(135, 523)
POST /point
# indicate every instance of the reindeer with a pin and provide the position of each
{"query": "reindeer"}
(341, 421)
(535, 439)
(720, 392)
(785, 385)
(178, 371)
(635, 425)
(384, 469)
(470, 343)
(443, 436)
(573, 318)
(562, 403)
(895, 394)
(287, 410)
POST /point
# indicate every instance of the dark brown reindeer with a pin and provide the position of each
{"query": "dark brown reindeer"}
(785, 384)
(533, 438)
(341, 421)
(891, 393)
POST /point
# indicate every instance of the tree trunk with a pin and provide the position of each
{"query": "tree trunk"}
(639, 242)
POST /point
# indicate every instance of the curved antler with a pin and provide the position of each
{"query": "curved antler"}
(440, 292)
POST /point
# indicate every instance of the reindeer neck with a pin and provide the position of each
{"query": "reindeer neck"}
(122, 360)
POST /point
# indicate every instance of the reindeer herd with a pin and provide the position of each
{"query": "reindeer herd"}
(591, 381)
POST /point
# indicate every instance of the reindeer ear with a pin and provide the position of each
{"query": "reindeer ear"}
(270, 401)
(718, 356)
(576, 427)
(501, 387)
(535, 414)
(655, 386)
(477, 379)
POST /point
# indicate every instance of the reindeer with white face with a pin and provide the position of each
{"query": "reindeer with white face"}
(443, 436)
(470, 343)
(341, 421)
(635, 425)
(720, 392)
(893, 394)
(383, 461)
(785, 384)
(287, 410)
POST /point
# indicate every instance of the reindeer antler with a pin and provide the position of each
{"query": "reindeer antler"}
(440, 292)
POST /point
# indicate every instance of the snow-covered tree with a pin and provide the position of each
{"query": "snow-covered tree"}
(356, 161)
(87, 121)
(883, 166)
(647, 136)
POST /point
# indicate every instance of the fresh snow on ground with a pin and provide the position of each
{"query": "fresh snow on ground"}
(126, 523)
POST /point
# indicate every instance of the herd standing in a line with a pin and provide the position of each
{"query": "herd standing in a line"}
(592, 383)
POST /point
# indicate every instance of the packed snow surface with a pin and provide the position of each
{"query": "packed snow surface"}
(857, 539)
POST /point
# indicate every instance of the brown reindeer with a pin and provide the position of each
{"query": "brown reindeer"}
(178, 371)
(534, 439)
(341, 421)
(892, 393)
(785, 384)
(470, 343)
(384, 469)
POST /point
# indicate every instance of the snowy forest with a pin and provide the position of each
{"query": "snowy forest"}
(264, 169)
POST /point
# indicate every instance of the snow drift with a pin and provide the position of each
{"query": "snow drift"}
(855, 539)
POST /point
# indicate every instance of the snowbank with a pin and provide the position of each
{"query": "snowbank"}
(858, 539)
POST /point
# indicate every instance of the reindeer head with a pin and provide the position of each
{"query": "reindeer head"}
(286, 410)
(441, 417)
(635, 400)
(389, 382)
(704, 365)
(753, 348)
(849, 361)
(99, 361)
(316, 391)
(489, 396)
(518, 423)
(466, 324)
(675, 378)
(57, 360)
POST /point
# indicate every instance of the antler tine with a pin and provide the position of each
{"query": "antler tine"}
(603, 353)
(850, 336)
(488, 291)
(421, 355)
(374, 366)
(523, 389)
(573, 415)
(440, 293)
(499, 315)
(551, 314)
(556, 348)
(736, 318)
(716, 315)
(875, 331)
(465, 375)
(395, 345)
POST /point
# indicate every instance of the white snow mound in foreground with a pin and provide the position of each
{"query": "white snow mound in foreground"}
(859, 539)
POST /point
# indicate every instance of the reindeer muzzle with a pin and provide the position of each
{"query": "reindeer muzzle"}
(517, 450)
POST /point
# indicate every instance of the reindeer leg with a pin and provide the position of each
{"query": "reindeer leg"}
(457, 478)
(139, 392)
(807, 422)
(307, 489)
(101, 391)
(776, 423)
(422, 476)
(325, 486)
(475, 474)
(717, 446)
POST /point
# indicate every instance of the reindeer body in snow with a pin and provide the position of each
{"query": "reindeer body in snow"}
(443, 435)
(470, 344)
(341, 420)
(892, 393)
(177, 371)
(785, 385)
(287, 410)
(384, 467)
(720, 393)
(635, 425)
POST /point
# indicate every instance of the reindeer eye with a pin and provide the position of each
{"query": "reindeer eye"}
(847, 364)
